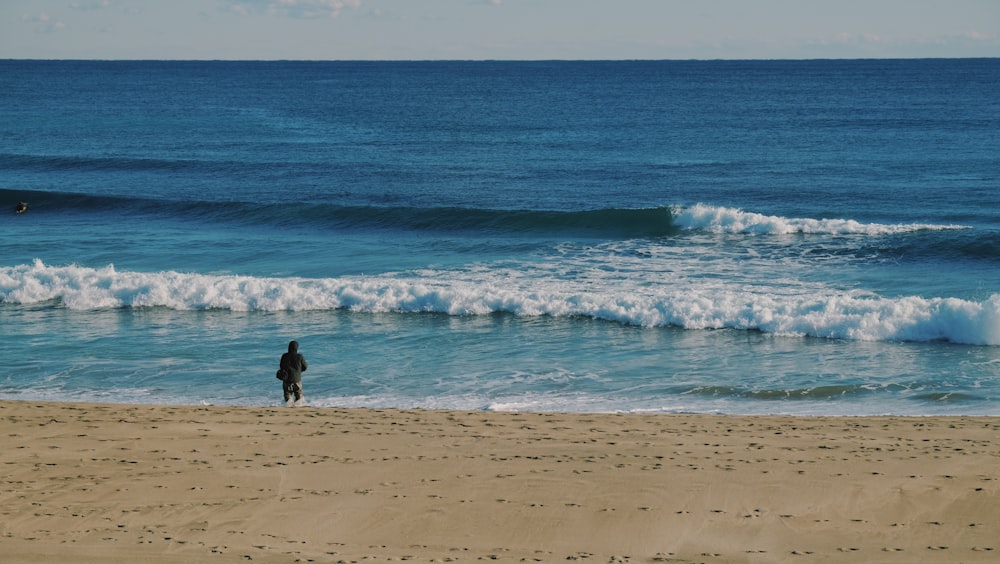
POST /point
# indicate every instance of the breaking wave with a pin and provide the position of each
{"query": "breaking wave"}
(613, 223)
(838, 315)
(734, 220)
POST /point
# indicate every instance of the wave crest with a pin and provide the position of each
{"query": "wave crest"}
(837, 315)
(610, 223)
(734, 220)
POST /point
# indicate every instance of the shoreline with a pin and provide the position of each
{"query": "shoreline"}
(94, 482)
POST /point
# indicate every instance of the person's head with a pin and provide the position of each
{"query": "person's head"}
(293, 346)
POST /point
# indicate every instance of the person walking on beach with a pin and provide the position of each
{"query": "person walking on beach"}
(290, 371)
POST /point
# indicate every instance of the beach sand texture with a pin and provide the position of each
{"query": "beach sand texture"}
(141, 483)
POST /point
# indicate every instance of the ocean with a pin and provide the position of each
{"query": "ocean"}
(738, 237)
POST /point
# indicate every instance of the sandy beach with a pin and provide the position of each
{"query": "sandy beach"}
(140, 483)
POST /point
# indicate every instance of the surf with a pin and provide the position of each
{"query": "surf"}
(718, 219)
(604, 223)
(829, 314)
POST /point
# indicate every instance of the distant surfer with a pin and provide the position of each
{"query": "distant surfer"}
(21, 207)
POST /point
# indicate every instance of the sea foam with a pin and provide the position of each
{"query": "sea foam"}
(828, 314)
(733, 220)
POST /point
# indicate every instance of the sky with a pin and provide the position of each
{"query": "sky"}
(497, 29)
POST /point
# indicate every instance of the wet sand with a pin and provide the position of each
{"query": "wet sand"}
(127, 483)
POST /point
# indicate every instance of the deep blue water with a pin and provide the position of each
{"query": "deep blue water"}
(717, 236)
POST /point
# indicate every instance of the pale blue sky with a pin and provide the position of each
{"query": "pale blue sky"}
(498, 29)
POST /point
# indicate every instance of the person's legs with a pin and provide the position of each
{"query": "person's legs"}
(293, 391)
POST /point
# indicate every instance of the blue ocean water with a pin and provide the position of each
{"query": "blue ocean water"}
(802, 237)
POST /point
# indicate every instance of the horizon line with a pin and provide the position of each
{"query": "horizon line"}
(488, 60)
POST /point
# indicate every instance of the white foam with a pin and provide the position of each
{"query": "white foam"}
(812, 311)
(734, 220)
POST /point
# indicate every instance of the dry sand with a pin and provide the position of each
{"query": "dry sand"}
(126, 483)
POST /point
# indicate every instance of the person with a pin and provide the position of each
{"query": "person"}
(292, 366)
(21, 207)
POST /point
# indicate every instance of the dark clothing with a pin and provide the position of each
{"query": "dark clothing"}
(292, 390)
(294, 364)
